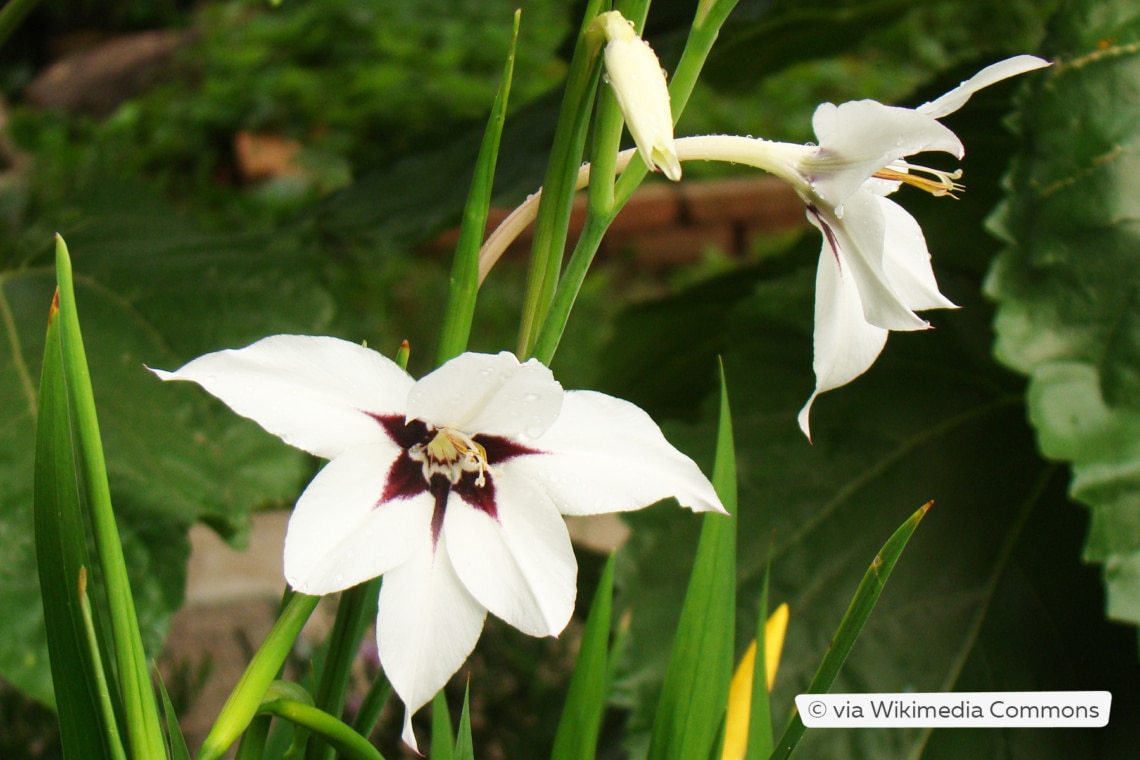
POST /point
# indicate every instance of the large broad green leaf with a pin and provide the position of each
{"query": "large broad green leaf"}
(153, 290)
(991, 594)
(1068, 283)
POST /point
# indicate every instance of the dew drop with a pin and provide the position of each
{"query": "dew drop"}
(839, 211)
(533, 430)
(530, 398)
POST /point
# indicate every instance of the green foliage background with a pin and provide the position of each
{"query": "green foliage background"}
(174, 258)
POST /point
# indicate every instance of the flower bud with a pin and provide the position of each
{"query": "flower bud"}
(635, 74)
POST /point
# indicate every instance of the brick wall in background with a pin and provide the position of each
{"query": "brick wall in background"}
(666, 224)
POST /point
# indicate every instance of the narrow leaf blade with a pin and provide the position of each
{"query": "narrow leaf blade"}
(61, 552)
(862, 604)
(695, 692)
(581, 721)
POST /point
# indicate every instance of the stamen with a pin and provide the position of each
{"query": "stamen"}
(452, 453)
(938, 184)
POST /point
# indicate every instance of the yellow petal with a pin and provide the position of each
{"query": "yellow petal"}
(740, 692)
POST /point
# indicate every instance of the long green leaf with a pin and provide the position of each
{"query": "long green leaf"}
(464, 746)
(695, 692)
(760, 716)
(442, 744)
(178, 748)
(140, 710)
(61, 552)
(862, 604)
(464, 285)
(581, 721)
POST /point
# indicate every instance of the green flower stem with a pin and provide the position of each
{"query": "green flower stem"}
(336, 732)
(464, 284)
(245, 699)
(561, 175)
(604, 206)
(372, 704)
(252, 744)
(143, 728)
(357, 608)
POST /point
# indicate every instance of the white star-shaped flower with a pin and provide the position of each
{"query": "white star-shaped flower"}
(874, 268)
(452, 487)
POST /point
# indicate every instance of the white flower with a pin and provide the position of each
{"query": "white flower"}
(874, 268)
(452, 486)
(638, 82)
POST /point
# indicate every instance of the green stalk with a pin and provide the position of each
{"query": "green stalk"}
(336, 732)
(604, 208)
(357, 609)
(372, 704)
(464, 284)
(553, 222)
(143, 729)
(245, 699)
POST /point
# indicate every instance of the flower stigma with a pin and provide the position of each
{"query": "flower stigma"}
(452, 453)
(938, 183)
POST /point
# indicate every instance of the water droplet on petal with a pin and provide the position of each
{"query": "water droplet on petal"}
(530, 398)
(533, 430)
(839, 211)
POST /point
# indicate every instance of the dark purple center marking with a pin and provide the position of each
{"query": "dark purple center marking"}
(410, 475)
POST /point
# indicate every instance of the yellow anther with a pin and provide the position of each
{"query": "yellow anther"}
(938, 183)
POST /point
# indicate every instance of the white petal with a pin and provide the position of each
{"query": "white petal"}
(341, 535)
(906, 260)
(608, 455)
(845, 343)
(861, 237)
(956, 98)
(311, 391)
(426, 626)
(491, 394)
(520, 566)
(858, 138)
